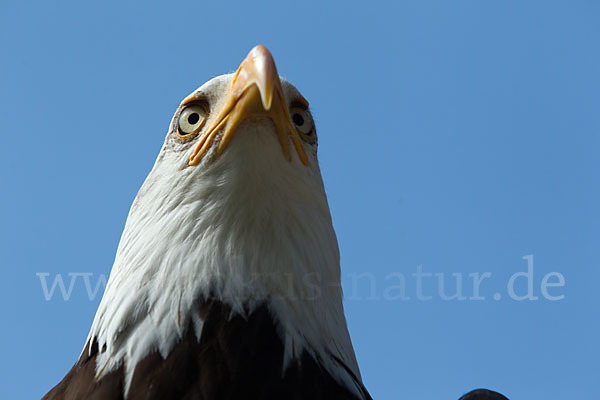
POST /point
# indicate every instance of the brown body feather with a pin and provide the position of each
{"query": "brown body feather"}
(236, 358)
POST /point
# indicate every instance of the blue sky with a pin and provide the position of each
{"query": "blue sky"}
(455, 136)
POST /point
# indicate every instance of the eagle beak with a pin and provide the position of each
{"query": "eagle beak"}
(255, 91)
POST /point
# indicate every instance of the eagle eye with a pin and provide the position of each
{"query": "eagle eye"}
(191, 120)
(303, 123)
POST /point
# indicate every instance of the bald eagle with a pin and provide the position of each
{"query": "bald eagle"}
(226, 282)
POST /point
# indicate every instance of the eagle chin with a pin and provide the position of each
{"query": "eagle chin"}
(226, 282)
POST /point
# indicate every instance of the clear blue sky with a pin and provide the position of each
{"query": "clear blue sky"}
(459, 136)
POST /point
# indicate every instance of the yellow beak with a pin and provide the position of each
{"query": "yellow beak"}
(255, 91)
